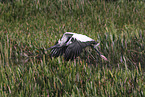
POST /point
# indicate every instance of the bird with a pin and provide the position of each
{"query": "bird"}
(71, 45)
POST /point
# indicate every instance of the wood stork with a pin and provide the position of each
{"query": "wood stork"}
(71, 45)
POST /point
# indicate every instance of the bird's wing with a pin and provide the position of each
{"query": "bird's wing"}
(57, 51)
(75, 48)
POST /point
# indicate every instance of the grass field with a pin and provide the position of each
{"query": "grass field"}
(27, 26)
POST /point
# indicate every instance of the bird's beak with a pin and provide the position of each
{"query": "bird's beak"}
(97, 49)
(55, 46)
(102, 56)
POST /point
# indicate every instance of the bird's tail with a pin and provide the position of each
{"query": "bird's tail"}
(102, 56)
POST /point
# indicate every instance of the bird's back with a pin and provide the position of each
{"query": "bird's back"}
(82, 38)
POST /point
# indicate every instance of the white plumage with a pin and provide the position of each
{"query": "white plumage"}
(82, 38)
(71, 45)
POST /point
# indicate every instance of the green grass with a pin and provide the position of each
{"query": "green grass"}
(27, 26)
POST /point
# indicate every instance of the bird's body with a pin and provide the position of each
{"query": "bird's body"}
(71, 45)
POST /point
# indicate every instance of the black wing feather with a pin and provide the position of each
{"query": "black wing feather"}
(57, 51)
(71, 51)
(74, 49)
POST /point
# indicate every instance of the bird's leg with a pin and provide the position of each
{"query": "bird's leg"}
(95, 47)
(102, 56)
(91, 54)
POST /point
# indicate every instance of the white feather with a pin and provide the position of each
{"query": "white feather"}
(80, 37)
